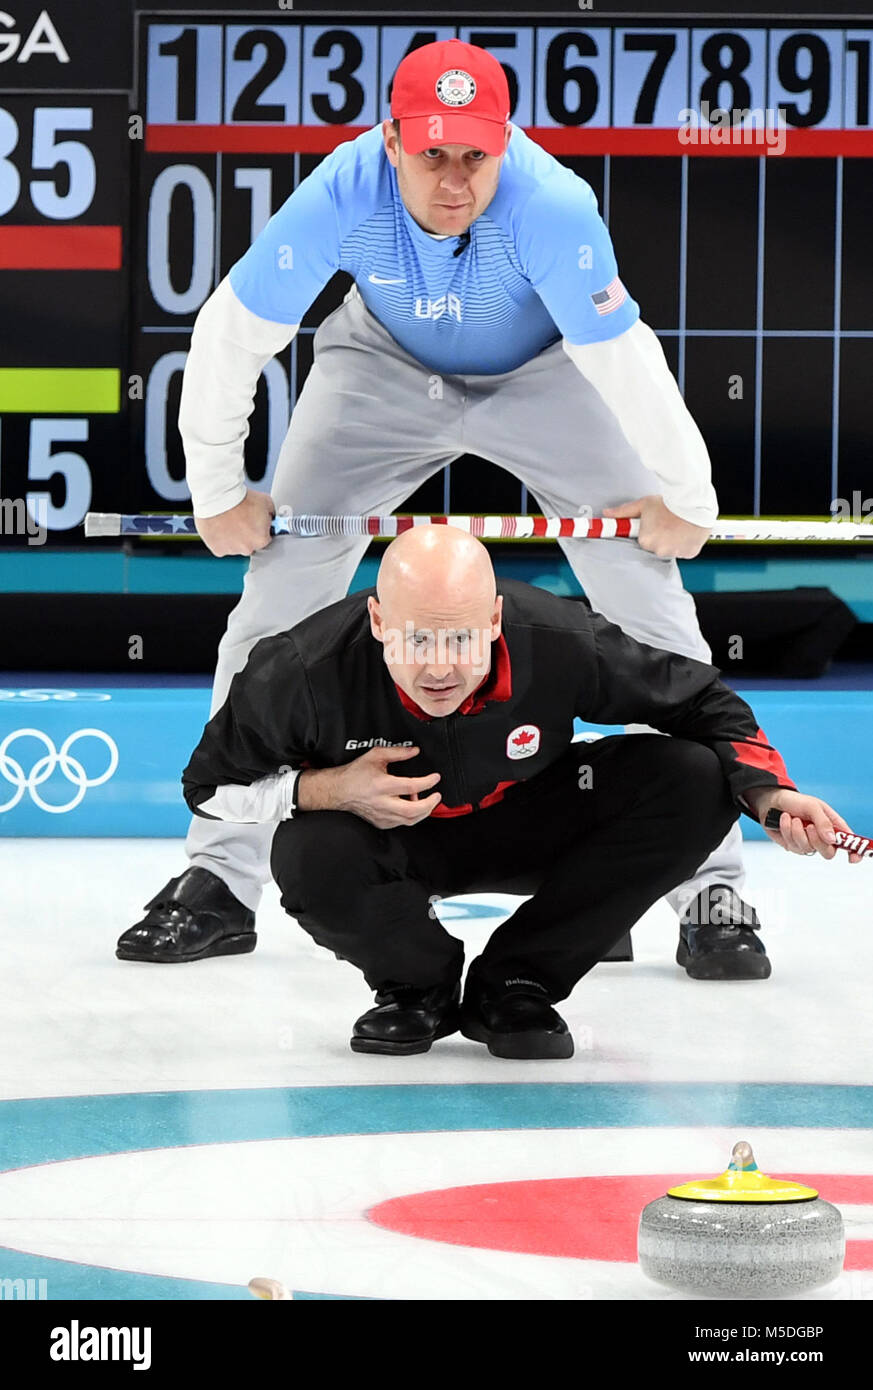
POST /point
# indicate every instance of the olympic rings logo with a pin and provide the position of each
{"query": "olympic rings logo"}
(43, 768)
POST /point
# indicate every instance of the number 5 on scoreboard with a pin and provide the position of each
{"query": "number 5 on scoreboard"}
(43, 465)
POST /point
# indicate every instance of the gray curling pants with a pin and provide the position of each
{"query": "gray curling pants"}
(370, 426)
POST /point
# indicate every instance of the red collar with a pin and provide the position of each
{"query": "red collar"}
(497, 685)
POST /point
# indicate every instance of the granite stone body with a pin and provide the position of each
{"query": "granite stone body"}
(741, 1249)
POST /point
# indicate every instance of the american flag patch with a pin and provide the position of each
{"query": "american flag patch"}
(605, 301)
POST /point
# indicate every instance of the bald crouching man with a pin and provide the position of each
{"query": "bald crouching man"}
(463, 702)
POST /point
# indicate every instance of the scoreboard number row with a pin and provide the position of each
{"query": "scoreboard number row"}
(213, 74)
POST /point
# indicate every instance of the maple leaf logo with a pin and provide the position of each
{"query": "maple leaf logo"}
(523, 742)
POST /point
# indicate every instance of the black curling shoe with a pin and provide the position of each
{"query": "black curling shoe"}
(718, 938)
(515, 1020)
(192, 917)
(407, 1019)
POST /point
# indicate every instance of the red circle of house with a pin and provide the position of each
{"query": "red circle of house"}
(592, 1218)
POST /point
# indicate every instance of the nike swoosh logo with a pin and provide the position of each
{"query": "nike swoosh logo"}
(380, 280)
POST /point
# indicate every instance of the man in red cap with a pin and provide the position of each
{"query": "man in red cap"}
(486, 316)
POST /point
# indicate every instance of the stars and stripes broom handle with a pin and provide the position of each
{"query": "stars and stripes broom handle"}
(486, 527)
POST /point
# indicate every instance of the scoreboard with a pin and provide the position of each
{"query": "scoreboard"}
(142, 149)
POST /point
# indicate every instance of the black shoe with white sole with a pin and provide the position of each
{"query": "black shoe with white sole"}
(192, 917)
(407, 1019)
(718, 938)
(514, 1020)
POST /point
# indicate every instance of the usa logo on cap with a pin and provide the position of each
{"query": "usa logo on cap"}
(523, 742)
(455, 87)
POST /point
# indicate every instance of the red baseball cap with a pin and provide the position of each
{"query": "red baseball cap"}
(450, 93)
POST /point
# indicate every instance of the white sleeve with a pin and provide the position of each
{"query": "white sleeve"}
(230, 346)
(269, 799)
(630, 372)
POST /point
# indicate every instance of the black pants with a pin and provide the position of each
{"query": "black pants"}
(595, 850)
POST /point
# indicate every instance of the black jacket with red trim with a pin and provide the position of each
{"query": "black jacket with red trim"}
(320, 694)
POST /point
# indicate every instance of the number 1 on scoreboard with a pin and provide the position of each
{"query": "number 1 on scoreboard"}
(857, 112)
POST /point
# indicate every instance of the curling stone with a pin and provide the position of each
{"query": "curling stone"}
(741, 1235)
